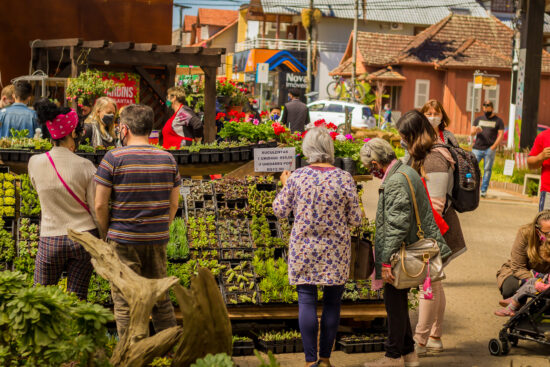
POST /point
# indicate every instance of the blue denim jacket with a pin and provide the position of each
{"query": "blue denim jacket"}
(17, 116)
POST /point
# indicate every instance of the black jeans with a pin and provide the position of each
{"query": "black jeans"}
(400, 337)
(509, 286)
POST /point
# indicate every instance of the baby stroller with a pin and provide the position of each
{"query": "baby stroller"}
(531, 322)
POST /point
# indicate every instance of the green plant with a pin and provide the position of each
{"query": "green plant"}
(7, 195)
(42, 326)
(87, 148)
(89, 86)
(274, 285)
(177, 247)
(30, 205)
(271, 362)
(7, 247)
(217, 360)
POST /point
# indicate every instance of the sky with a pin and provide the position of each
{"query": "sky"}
(196, 4)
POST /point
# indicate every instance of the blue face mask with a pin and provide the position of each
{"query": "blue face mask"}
(275, 117)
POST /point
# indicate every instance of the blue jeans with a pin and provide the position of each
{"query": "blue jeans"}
(307, 319)
(489, 156)
(542, 200)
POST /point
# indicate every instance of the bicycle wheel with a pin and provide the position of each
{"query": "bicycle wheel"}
(359, 93)
(334, 89)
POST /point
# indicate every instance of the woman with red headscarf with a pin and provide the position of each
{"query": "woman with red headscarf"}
(66, 189)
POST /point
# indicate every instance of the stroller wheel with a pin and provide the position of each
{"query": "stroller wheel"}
(496, 347)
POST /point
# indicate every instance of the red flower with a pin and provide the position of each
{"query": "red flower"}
(304, 134)
(232, 113)
(331, 126)
(333, 135)
(319, 123)
(264, 113)
(241, 115)
(220, 116)
(278, 129)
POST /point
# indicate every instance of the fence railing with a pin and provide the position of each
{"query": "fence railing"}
(284, 44)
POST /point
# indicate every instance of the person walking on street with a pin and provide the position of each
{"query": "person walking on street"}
(538, 157)
(436, 165)
(19, 116)
(295, 113)
(325, 203)
(142, 183)
(396, 225)
(488, 130)
(387, 123)
(66, 188)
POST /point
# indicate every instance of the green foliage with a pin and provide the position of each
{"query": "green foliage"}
(234, 130)
(271, 362)
(89, 86)
(7, 246)
(178, 247)
(280, 335)
(7, 195)
(274, 285)
(532, 188)
(218, 360)
(30, 205)
(42, 326)
(161, 362)
(99, 291)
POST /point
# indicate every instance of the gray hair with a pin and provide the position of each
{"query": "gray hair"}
(378, 150)
(318, 146)
(139, 119)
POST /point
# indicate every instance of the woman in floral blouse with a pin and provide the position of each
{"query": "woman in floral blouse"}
(324, 201)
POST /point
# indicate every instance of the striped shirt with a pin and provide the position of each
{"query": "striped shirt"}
(142, 178)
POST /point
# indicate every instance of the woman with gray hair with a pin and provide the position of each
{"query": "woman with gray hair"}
(395, 225)
(325, 203)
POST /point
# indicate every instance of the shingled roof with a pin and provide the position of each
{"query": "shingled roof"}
(457, 41)
(217, 17)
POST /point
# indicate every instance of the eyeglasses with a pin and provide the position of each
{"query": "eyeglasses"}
(487, 105)
(547, 234)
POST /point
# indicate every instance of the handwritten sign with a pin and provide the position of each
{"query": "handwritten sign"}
(274, 159)
(509, 167)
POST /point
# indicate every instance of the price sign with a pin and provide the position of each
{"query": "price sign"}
(262, 73)
(274, 159)
(509, 167)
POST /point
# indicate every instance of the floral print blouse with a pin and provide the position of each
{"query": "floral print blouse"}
(325, 203)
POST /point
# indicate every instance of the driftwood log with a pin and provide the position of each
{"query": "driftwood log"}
(207, 328)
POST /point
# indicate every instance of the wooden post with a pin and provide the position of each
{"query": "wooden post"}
(209, 104)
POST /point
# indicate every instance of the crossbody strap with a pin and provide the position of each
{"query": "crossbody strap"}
(420, 232)
(67, 186)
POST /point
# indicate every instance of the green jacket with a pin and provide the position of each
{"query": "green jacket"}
(395, 219)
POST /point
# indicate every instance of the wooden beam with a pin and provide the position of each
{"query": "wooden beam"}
(145, 46)
(121, 45)
(74, 66)
(190, 50)
(154, 86)
(170, 76)
(209, 104)
(125, 57)
(95, 44)
(67, 42)
(167, 48)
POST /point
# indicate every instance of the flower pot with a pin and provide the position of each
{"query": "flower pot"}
(215, 155)
(205, 155)
(14, 155)
(183, 157)
(235, 154)
(5, 155)
(303, 162)
(24, 155)
(298, 162)
(235, 109)
(99, 154)
(348, 165)
(245, 153)
(225, 155)
(338, 162)
(272, 144)
(195, 157)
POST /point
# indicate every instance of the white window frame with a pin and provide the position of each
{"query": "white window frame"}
(495, 99)
(421, 99)
(477, 101)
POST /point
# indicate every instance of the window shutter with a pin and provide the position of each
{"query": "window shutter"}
(421, 93)
(493, 95)
(477, 101)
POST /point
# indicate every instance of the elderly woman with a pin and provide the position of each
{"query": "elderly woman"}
(324, 201)
(527, 255)
(395, 225)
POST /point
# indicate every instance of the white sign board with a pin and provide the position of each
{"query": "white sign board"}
(274, 159)
(509, 167)
(262, 73)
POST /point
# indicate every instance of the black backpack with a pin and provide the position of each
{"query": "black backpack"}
(465, 196)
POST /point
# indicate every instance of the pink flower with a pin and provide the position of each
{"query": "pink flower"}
(256, 122)
(366, 140)
(349, 137)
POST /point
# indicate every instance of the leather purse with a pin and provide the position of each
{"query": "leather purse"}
(362, 259)
(410, 264)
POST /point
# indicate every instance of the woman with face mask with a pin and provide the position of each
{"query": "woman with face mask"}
(434, 112)
(184, 127)
(526, 257)
(395, 225)
(99, 127)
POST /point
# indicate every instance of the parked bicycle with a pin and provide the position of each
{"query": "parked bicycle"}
(340, 88)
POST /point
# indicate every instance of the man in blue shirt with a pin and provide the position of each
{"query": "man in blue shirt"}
(18, 116)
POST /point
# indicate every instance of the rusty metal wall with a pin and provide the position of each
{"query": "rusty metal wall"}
(23, 21)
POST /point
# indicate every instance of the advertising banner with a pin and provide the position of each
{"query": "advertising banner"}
(128, 92)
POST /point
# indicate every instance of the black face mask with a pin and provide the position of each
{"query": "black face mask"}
(108, 119)
(488, 113)
(120, 137)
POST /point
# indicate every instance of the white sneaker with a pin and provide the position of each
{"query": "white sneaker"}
(420, 350)
(434, 345)
(411, 360)
(386, 362)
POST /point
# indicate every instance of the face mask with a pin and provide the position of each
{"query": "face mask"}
(378, 173)
(275, 117)
(435, 121)
(120, 137)
(108, 119)
(488, 114)
(168, 103)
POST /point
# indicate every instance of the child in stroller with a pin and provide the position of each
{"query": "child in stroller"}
(539, 283)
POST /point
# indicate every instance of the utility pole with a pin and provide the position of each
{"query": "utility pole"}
(309, 51)
(514, 85)
(529, 69)
(181, 7)
(354, 52)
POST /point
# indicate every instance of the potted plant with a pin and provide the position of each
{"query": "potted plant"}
(88, 86)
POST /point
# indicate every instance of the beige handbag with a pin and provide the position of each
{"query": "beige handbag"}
(410, 264)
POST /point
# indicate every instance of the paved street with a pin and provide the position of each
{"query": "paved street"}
(471, 293)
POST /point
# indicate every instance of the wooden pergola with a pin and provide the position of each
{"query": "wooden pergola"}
(156, 65)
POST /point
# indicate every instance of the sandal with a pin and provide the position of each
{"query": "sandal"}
(505, 302)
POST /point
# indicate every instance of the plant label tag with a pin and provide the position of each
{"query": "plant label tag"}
(509, 167)
(274, 159)
(185, 190)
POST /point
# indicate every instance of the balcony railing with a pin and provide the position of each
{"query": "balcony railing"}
(284, 44)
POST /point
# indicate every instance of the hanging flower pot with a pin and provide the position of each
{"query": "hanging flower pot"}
(235, 109)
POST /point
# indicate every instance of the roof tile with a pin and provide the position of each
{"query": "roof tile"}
(217, 17)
